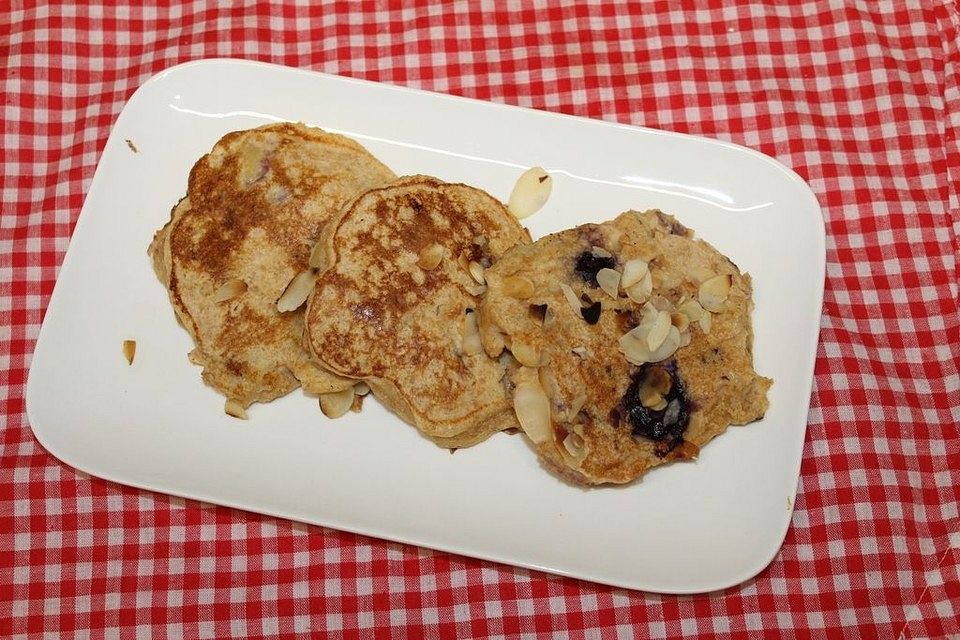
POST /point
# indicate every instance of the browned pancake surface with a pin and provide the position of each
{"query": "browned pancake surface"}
(598, 433)
(255, 205)
(401, 323)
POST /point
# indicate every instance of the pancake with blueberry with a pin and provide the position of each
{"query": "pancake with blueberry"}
(631, 342)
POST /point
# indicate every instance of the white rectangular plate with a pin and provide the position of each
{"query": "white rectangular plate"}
(684, 528)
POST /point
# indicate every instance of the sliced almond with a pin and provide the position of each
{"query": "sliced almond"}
(229, 290)
(361, 388)
(613, 238)
(685, 338)
(692, 309)
(549, 317)
(705, 322)
(532, 407)
(336, 404)
(633, 272)
(652, 400)
(571, 297)
(471, 344)
(129, 350)
(600, 252)
(476, 272)
(658, 331)
(318, 256)
(548, 382)
(530, 192)
(714, 292)
(573, 443)
(635, 350)
(297, 291)
(582, 352)
(701, 274)
(680, 321)
(670, 345)
(640, 292)
(235, 409)
(577, 405)
(463, 260)
(430, 257)
(609, 281)
(526, 354)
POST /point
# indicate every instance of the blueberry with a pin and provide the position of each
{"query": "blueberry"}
(666, 426)
(592, 313)
(588, 265)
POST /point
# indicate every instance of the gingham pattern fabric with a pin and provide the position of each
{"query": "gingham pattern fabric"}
(861, 98)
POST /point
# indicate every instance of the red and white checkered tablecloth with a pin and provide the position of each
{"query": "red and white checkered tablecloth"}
(860, 97)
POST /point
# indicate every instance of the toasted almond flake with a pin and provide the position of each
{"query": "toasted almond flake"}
(336, 404)
(713, 292)
(691, 309)
(640, 292)
(680, 321)
(668, 348)
(600, 252)
(612, 238)
(129, 350)
(609, 281)
(530, 192)
(577, 405)
(517, 287)
(701, 274)
(526, 354)
(633, 272)
(661, 303)
(297, 291)
(361, 388)
(635, 350)
(571, 297)
(653, 400)
(685, 338)
(549, 317)
(471, 344)
(235, 409)
(659, 380)
(705, 322)
(430, 257)
(532, 407)
(573, 443)
(548, 382)
(583, 352)
(229, 290)
(658, 331)
(476, 272)
(318, 256)
(463, 260)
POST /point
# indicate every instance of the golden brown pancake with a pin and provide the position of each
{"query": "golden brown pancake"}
(396, 305)
(254, 208)
(603, 408)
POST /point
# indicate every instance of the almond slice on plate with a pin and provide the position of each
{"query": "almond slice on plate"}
(530, 193)
(532, 407)
(336, 404)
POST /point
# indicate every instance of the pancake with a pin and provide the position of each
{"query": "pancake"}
(615, 380)
(255, 206)
(396, 304)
